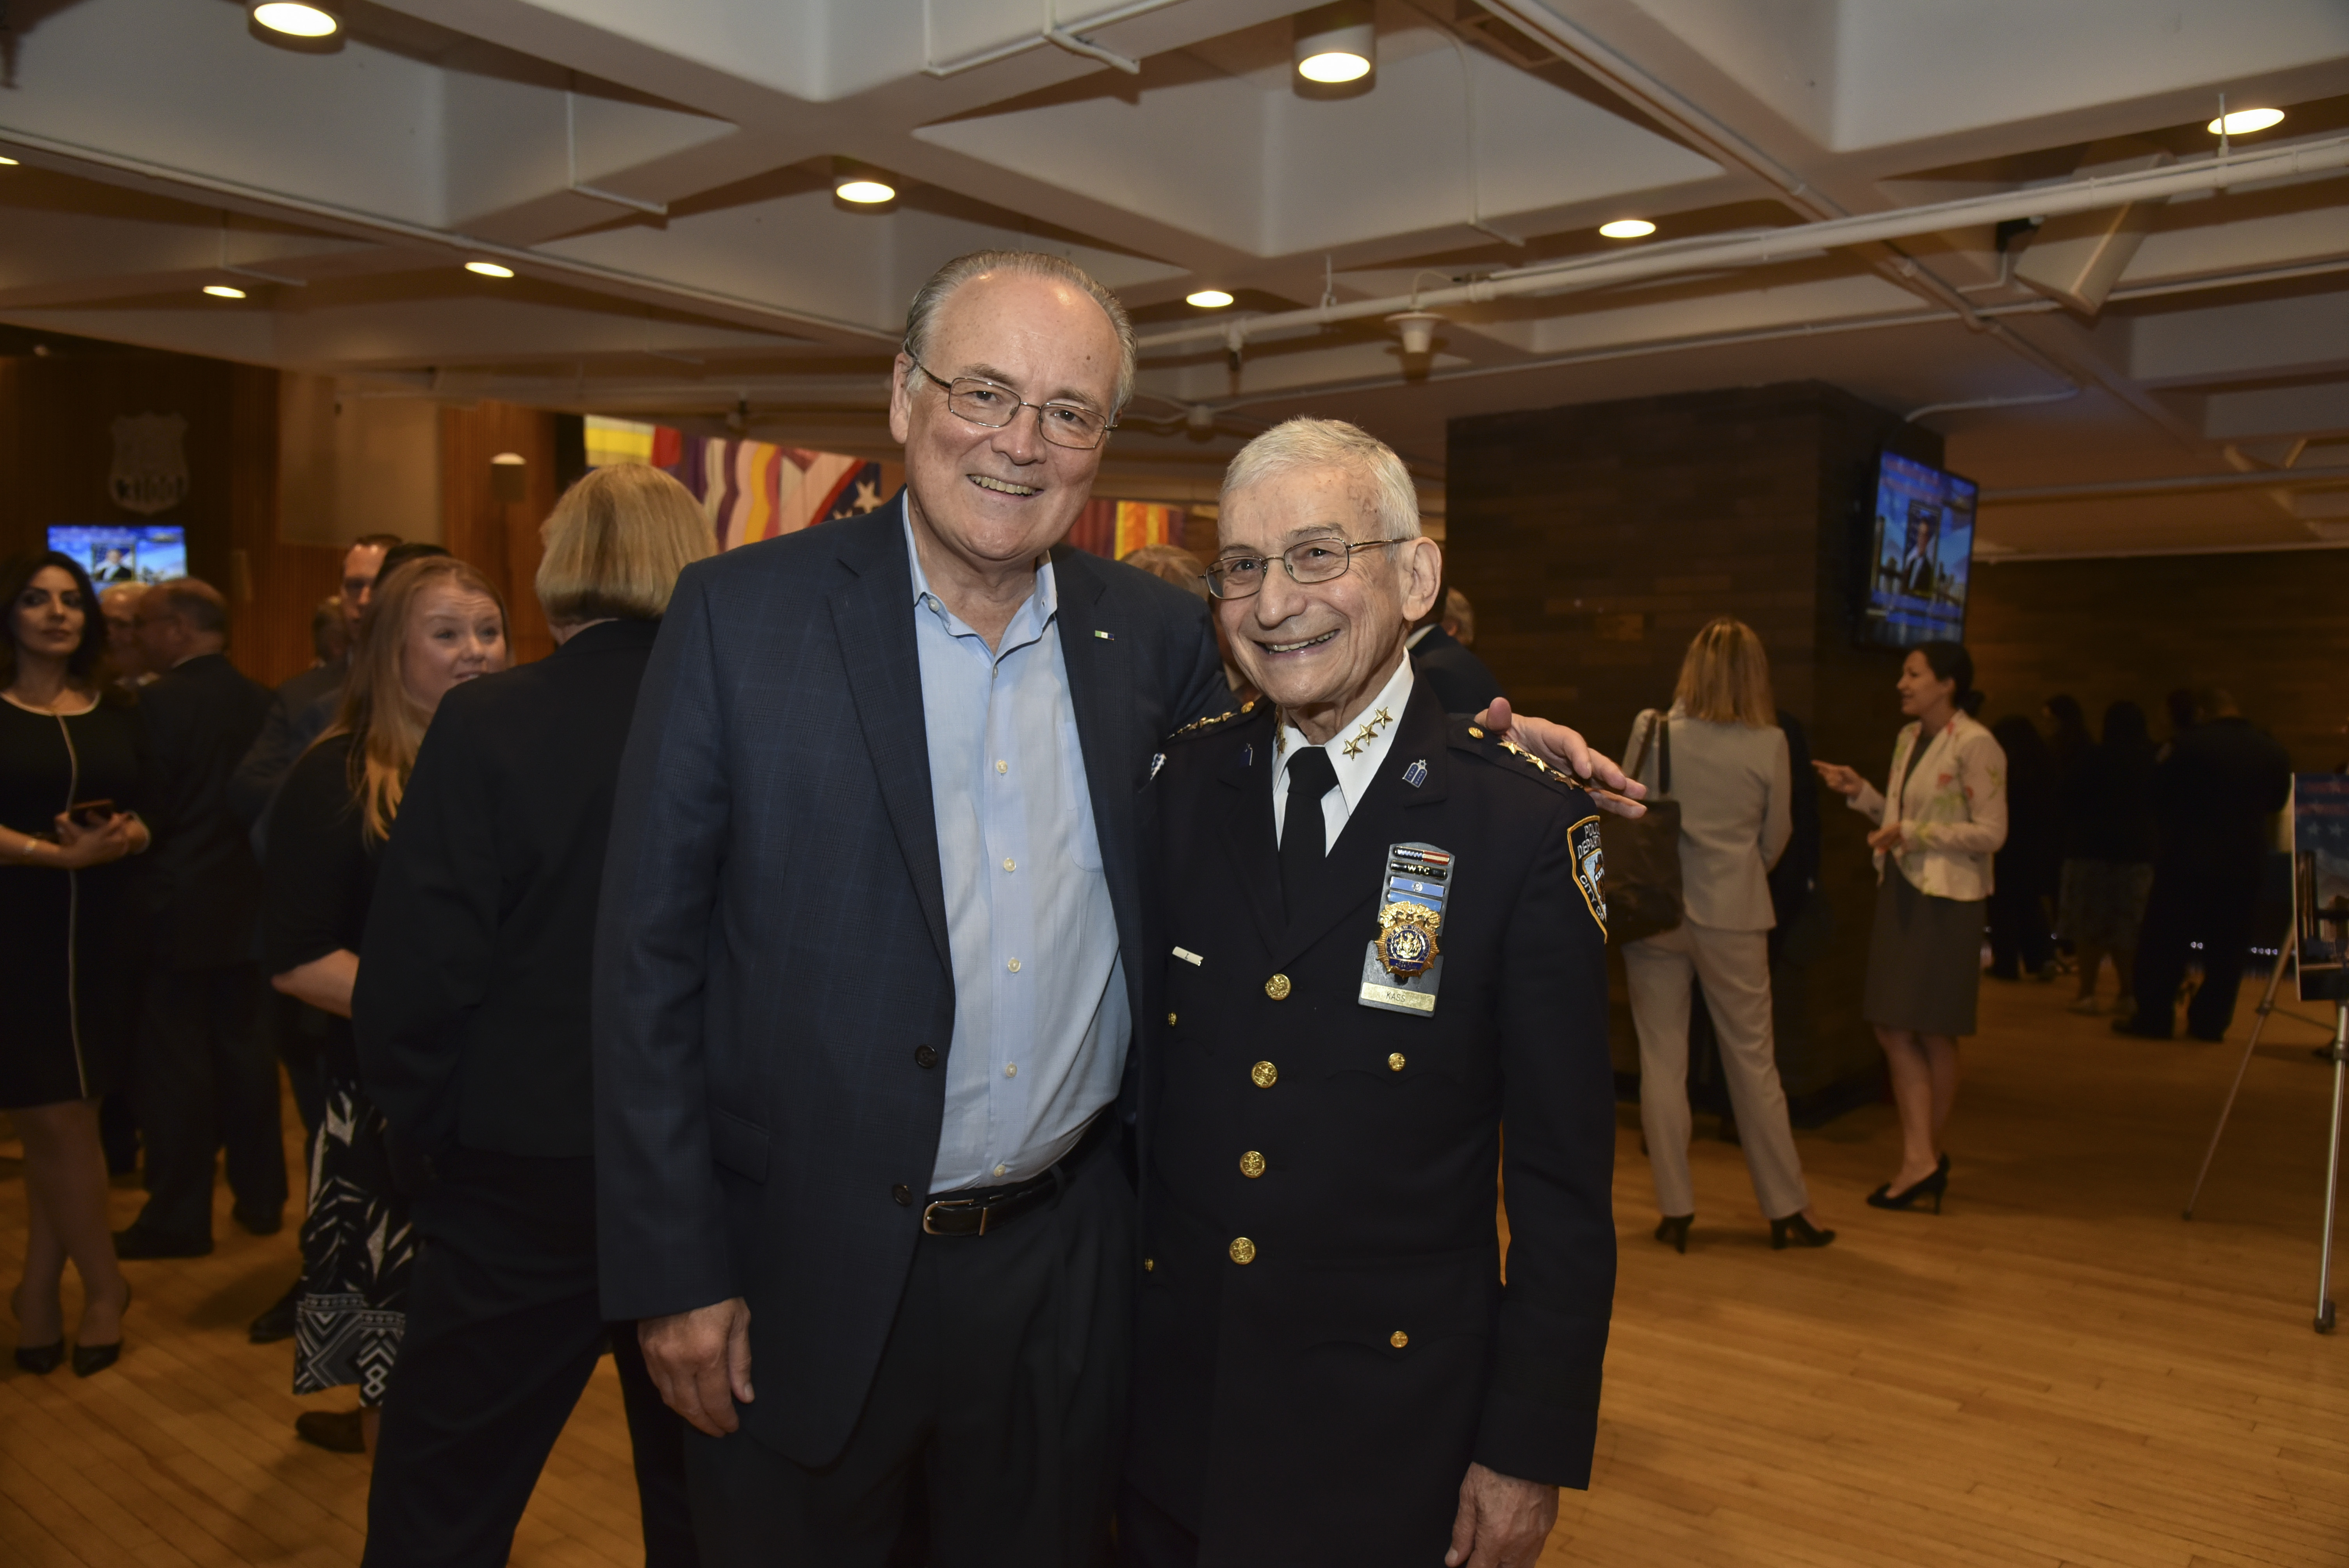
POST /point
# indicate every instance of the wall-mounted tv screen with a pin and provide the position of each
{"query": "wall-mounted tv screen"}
(1921, 548)
(120, 552)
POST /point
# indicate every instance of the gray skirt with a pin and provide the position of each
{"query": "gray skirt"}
(1924, 960)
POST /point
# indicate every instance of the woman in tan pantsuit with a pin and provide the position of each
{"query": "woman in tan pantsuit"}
(1730, 776)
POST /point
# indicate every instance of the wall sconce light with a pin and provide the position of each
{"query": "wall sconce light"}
(510, 478)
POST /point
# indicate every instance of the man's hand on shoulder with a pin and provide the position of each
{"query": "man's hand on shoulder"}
(701, 1362)
(1502, 1523)
(1567, 751)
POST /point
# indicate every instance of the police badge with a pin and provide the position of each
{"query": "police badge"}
(1402, 965)
(151, 463)
(1591, 868)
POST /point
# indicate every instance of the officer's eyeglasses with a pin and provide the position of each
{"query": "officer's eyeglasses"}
(994, 405)
(1313, 561)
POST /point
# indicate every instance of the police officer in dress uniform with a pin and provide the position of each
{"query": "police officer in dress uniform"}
(1382, 944)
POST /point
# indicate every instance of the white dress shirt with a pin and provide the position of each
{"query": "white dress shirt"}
(1354, 755)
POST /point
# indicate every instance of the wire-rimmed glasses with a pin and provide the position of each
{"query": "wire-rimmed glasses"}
(992, 405)
(1308, 560)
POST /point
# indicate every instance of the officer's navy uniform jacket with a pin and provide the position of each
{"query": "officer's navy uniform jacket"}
(1320, 1402)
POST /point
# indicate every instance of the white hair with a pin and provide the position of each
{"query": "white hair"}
(932, 296)
(1297, 444)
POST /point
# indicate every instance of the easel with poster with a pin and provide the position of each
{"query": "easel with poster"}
(2317, 946)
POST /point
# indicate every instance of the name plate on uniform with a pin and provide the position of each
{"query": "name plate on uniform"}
(1403, 967)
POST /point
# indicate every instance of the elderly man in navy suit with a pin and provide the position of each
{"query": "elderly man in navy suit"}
(871, 951)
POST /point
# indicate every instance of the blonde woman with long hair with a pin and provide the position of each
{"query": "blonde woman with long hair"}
(473, 1029)
(1731, 775)
(431, 626)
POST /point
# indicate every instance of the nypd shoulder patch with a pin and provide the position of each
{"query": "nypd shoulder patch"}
(1591, 868)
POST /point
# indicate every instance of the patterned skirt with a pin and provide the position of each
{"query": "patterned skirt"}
(357, 1252)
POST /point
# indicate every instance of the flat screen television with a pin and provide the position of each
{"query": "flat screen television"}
(1920, 551)
(123, 553)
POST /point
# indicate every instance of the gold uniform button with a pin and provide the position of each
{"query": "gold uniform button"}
(1278, 987)
(1394, 1063)
(1398, 1339)
(1170, 1020)
(1251, 1165)
(1148, 1264)
(1263, 1075)
(1476, 732)
(1243, 1250)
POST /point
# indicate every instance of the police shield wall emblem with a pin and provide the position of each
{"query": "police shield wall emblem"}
(151, 463)
(1591, 868)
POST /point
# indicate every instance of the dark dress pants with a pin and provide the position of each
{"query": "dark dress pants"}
(204, 1080)
(991, 1433)
(503, 1331)
(2189, 905)
(2020, 942)
(1150, 1537)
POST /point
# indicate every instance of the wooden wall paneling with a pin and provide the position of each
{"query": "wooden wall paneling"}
(2271, 628)
(501, 538)
(273, 584)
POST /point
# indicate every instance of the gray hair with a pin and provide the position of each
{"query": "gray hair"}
(1296, 445)
(931, 297)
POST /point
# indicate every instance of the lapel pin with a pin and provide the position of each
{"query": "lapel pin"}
(1104, 636)
(1416, 774)
(1247, 755)
(1157, 760)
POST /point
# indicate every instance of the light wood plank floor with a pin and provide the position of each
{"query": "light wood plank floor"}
(2057, 1371)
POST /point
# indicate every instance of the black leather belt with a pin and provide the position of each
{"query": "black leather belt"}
(975, 1210)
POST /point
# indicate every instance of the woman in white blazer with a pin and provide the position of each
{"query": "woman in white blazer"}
(1730, 776)
(1924, 951)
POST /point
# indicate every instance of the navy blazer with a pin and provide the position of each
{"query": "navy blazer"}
(204, 884)
(773, 995)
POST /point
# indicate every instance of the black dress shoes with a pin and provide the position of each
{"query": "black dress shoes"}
(279, 1321)
(339, 1431)
(2139, 1028)
(141, 1241)
(40, 1360)
(89, 1360)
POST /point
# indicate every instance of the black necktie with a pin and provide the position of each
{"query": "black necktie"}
(1303, 831)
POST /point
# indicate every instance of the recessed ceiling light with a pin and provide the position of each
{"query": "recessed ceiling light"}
(863, 190)
(7, 163)
(1628, 229)
(222, 291)
(2244, 121)
(488, 269)
(1333, 65)
(1208, 299)
(296, 20)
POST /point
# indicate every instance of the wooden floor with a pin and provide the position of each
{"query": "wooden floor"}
(2056, 1371)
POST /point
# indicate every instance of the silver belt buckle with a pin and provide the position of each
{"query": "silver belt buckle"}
(935, 1204)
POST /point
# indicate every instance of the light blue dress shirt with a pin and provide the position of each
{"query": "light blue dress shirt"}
(1041, 1015)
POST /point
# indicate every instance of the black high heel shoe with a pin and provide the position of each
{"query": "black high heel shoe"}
(1672, 1231)
(40, 1360)
(1931, 1187)
(1795, 1231)
(89, 1360)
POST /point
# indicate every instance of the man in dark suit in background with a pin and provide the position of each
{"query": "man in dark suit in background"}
(1441, 655)
(2212, 794)
(1381, 937)
(202, 1079)
(870, 948)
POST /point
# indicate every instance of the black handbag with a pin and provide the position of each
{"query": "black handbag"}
(1643, 854)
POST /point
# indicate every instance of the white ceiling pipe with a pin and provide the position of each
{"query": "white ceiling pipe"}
(2328, 156)
(2185, 484)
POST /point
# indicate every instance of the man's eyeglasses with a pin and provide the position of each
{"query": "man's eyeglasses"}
(994, 405)
(1313, 561)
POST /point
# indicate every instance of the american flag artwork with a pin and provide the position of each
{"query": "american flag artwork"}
(757, 489)
(752, 489)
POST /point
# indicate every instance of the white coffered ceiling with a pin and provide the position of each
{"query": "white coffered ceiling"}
(660, 179)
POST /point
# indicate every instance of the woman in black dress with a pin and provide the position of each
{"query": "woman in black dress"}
(430, 625)
(70, 777)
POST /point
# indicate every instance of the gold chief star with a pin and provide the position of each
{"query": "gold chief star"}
(1354, 747)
